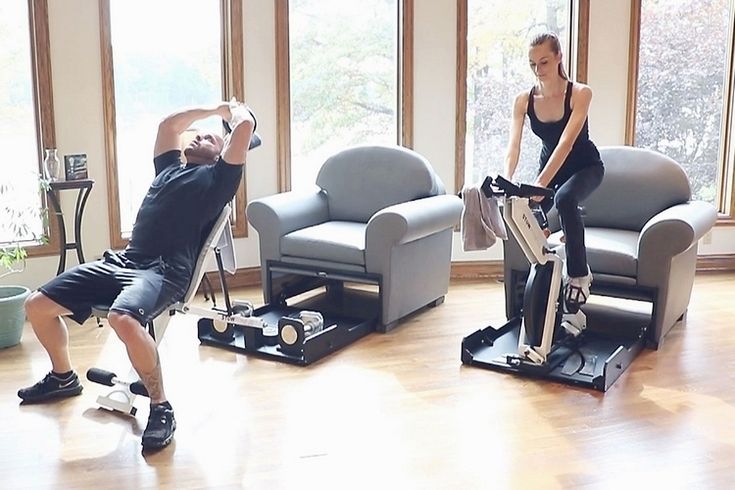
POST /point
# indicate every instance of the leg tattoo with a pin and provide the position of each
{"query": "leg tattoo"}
(153, 381)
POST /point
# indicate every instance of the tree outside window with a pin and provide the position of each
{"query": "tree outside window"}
(682, 70)
(167, 59)
(498, 33)
(343, 78)
(19, 187)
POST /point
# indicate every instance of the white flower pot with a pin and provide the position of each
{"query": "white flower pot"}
(12, 314)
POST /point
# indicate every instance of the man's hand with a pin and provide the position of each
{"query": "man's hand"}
(173, 125)
(239, 113)
(223, 111)
(242, 123)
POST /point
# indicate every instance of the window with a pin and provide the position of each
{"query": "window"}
(26, 125)
(337, 86)
(179, 62)
(492, 59)
(681, 52)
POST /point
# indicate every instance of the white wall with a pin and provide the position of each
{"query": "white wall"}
(75, 55)
(608, 70)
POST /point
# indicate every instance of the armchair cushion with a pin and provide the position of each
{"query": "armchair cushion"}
(360, 181)
(338, 241)
(611, 251)
(638, 184)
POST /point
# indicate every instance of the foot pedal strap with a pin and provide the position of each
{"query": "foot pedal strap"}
(590, 363)
(572, 364)
(580, 363)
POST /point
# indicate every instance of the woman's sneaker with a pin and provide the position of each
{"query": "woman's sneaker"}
(161, 426)
(576, 292)
(51, 387)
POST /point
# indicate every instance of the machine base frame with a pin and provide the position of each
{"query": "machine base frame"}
(595, 359)
(349, 314)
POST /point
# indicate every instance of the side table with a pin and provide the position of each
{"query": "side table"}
(84, 187)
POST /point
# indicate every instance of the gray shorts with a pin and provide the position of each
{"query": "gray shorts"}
(142, 289)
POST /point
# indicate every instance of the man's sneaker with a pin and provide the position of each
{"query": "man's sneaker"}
(576, 292)
(51, 387)
(161, 426)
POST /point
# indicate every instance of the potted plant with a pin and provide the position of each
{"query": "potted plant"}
(22, 223)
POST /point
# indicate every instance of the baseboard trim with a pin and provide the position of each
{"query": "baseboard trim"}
(716, 263)
(472, 269)
(243, 278)
(477, 269)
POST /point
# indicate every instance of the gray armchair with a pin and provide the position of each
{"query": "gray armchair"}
(642, 232)
(375, 211)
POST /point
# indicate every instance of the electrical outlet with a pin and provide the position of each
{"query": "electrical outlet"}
(707, 238)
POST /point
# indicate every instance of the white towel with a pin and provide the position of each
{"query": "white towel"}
(226, 243)
(482, 223)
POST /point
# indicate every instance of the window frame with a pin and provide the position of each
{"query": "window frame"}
(404, 102)
(233, 76)
(43, 100)
(579, 43)
(725, 201)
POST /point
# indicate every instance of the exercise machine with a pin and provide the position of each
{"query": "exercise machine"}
(124, 391)
(301, 331)
(545, 339)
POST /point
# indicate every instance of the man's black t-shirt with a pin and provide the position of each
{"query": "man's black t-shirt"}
(179, 209)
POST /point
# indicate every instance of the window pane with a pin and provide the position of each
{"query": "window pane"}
(498, 33)
(343, 80)
(19, 178)
(681, 78)
(167, 55)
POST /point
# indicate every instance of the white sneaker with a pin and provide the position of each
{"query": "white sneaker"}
(576, 291)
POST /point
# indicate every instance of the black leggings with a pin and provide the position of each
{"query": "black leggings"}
(567, 198)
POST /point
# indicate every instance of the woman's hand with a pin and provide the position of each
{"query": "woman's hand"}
(539, 183)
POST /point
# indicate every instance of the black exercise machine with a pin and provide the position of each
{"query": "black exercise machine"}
(585, 348)
(296, 333)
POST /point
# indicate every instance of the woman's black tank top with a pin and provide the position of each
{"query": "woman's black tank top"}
(584, 152)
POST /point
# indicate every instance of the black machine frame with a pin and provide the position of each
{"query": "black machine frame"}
(594, 359)
(348, 314)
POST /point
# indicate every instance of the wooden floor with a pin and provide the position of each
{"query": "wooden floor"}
(394, 410)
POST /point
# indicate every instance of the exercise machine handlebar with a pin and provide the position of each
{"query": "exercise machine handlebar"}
(502, 187)
(509, 189)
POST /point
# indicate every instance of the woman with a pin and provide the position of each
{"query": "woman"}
(569, 162)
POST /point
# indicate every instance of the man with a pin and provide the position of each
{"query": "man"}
(154, 270)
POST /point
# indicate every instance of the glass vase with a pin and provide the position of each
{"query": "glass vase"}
(52, 165)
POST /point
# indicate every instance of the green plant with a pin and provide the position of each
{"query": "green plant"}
(17, 216)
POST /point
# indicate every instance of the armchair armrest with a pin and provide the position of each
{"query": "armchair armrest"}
(668, 234)
(674, 230)
(283, 213)
(409, 221)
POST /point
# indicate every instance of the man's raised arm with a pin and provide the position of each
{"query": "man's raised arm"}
(173, 125)
(238, 141)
